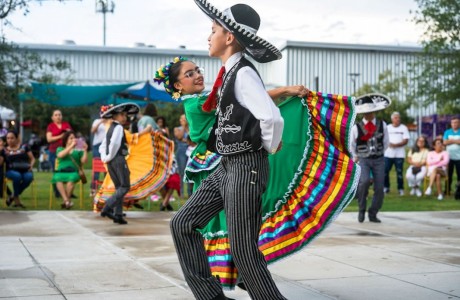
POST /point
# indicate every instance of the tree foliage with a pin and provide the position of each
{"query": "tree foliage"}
(439, 65)
(392, 87)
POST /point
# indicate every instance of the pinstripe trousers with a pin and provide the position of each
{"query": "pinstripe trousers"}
(236, 186)
(119, 173)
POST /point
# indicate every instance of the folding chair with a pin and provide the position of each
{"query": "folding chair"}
(98, 167)
(52, 195)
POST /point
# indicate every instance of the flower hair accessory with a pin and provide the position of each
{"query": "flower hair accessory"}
(105, 108)
(162, 76)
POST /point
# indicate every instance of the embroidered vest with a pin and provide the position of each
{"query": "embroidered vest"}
(123, 151)
(236, 130)
(372, 148)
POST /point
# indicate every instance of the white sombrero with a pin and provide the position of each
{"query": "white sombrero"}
(107, 111)
(371, 103)
(243, 21)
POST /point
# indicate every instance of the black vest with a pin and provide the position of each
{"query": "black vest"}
(123, 151)
(372, 148)
(236, 130)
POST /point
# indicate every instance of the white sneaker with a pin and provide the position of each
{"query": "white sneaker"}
(440, 197)
(386, 190)
(412, 192)
(418, 192)
(401, 192)
(172, 199)
(428, 191)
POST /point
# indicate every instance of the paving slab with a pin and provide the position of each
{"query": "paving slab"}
(79, 255)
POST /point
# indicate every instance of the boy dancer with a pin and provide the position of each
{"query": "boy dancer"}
(247, 128)
(113, 151)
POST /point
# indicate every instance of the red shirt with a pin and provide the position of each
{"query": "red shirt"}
(55, 131)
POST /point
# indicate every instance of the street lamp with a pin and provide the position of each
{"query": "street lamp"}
(102, 6)
(353, 79)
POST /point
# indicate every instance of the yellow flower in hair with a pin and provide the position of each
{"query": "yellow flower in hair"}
(176, 59)
(160, 72)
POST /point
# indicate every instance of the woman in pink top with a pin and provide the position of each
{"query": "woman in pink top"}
(437, 160)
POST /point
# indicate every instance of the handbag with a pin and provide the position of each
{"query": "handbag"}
(20, 166)
(416, 170)
(81, 172)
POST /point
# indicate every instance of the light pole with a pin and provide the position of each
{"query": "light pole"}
(353, 79)
(102, 6)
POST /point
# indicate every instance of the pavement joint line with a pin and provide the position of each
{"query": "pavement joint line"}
(388, 276)
(40, 267)
(122, 253)
(400, 238)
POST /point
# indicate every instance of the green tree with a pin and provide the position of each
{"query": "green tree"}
(439, 65)
(392, 87)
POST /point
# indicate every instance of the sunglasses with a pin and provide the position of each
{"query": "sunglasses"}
(192, 73)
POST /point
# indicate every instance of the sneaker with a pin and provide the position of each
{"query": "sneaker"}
(412, 192)
(172, 199)
(418, 192)
(428, 191)
(155, 198)
(440, 197)
(386, 190)
(401, 192)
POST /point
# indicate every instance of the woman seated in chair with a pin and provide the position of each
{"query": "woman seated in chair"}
(18, 160)
(417, 165)
(68, 161)
(437, 161)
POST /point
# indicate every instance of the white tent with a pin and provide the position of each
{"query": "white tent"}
(7, 114)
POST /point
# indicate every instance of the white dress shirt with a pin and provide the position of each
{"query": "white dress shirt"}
(251, 94)
(114, 146)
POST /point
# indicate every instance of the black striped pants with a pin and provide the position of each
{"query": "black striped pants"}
(236, 186)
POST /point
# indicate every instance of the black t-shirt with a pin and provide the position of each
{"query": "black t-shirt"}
(15, 156)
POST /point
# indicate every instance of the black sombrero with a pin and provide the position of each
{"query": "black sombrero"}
(371, 103)
(107, 111)
(243, 21)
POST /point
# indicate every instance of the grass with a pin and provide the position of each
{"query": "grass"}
(392, 201)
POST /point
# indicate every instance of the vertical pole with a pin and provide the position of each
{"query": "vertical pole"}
(21, 110)
(104, 12)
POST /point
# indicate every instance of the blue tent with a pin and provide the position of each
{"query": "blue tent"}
(147, 92)
(74, 95)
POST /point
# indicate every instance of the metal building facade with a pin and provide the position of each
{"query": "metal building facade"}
(331, 68)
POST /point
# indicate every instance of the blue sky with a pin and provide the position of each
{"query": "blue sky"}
(168, 24)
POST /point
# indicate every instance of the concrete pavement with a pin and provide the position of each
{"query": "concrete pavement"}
(79, 255)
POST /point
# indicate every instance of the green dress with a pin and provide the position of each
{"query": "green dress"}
(66, 170)
(312, 179)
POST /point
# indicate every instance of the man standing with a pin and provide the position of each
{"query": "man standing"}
(369, 140)
(452, 142)
(398, 136)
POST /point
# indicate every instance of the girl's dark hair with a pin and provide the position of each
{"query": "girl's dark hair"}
(66, 136)
(150, 110)
(161, 118)
(174, 72)
(416, 148)
(14, 132)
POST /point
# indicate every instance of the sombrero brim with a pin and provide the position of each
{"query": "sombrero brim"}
(261, 50)
(129, 108)
(374, 102)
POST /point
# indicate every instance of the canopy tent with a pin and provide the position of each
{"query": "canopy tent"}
(74, 95)
(147, 92)
(7, 114)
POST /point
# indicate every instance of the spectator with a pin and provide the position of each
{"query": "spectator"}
(68, 161)
(150, 112)
(452, 143)
(398, 136)
(19, 162)
(2, 160)
(369, 139)
(161, 122)
(54, 134)
(98, 130)
(181, 133)
(437, 161)
(417, 165)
